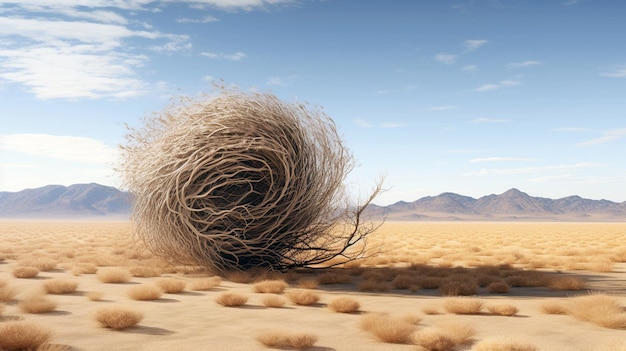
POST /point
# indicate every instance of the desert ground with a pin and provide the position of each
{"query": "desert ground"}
(425, 286)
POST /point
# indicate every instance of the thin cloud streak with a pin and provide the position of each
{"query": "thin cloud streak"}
(444, 58)
(471, 45)
(609, 136)
(496, 86)
(522, 64)
(63, 147)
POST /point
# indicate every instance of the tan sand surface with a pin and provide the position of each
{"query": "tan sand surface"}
(192, 320)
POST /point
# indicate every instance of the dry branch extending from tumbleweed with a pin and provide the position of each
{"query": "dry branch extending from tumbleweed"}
(242, 180)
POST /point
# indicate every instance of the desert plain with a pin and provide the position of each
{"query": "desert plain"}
(423, 286)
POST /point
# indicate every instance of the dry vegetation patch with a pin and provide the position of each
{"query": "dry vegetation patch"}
(458, 305)
(231, 299)
(601, 309)
(22, 335)
(275, 301)
(37, 303)
(502, 309)
(502, 345)
(118, 317)
(171, 285)
(25, 272)
(344, 304)
(7, 292)
(387, 328)
(566, 283)
(60, 286)
(287, 340)
(270, 286)
(113, 275)
(303, 297)
(145, 292)
(95, 295)
(208, 283)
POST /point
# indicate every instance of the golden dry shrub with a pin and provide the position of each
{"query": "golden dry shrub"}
(113, 275)
(44, 264)
(600, 309)
(275, 301)
(145, 292)
(387, 328)
(208, 283)
(171, 285)
(567, 283)
(502, 309)
(25, 272)
(447, 335)
(1, 308)
(60, 286)
(498, 287)
(308, 283)
(145, 271)
(374, 285)
(94, 295)
(37, 303)
(84, 268)
(241, 180)
(7, 292)
(118, 317)
(405, 282)
(502, 345)
(287, 339)
(553, 307)
(270, 286)
(344, 304)
(329, 278)
(460, 305)
(303, 297)
(231, 299)
(22, 335)
(458, 288)
(55, 347)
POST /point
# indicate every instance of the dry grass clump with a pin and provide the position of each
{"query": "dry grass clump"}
(84, 268)
(208, 283)
(553, 307)
(600, 309)
(502, 309)
(447, 336)
(502, 345)
(498, 288)
(270, 286)
(22, 335)
(37, 303)
(95, 295)
(374, 285)
(308, 283)
(431, 310)
(258, 183)
(118, 317)
(231, 299)
(145, 271)
(275, 301)
(460, 305)
(44, 264)
(287, 340)
(145, 292)
(60, 286)
(7, 292)
(566, 283)
(171, 285)
(344, 304)
(25, 272)
(113, 275)
(329, 278)
(303, 297)
(458, 288)
(387, 328)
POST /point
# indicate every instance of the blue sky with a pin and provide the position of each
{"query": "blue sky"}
(472, 97)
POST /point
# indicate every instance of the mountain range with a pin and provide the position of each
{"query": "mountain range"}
(84, 201)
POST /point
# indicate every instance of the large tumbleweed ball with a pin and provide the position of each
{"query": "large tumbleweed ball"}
(240, 180)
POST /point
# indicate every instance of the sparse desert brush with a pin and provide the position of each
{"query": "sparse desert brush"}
(113, 275)
(25, 272)
(287, 340)
(7, 293)
(502, 309)
(37, 303)
(118, 317)
(308, 283)
(145, 292)
(498, 288)
(171, 285)
(405, 281)
(429, 282)
(374, 285)
(600, 266)
(303, 297)
(458, 288)
(431, 310)
(446, 336)
(387, 328)
(55, 347)
(553, 307)
(243, 277)
(527, 279)
(84, 268)
(458, 305)
(22, 335)
(273, 300)
(60, 286)
(270, 286)
(208, 283)
(600, 309)
(44, 264)
(145, 271)
(344, 304)
(231, 299)
(566, 283)
(334, 278)
(95, 295)
(411, 318)
(502, 345)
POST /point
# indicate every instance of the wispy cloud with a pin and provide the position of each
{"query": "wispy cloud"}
(282, 81)
(525, 170)
(618, 72)
(360, 122)
(395, 91)
(205, 19)
(607, 136)
(63, 147)
(570, 2)
(237, 56)
(489, 120)
(470, 68)
(502, 159)
(496, 86)
(471, 45)
(441, 108)
(522, 64)
(444, 58)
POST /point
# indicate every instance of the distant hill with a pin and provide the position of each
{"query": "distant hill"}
(58, 201)
(510, 205)
(84, 201)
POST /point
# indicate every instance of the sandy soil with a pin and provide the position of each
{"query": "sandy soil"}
(192, 320)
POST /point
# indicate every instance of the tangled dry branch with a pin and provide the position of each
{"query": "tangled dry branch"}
(242, 180)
